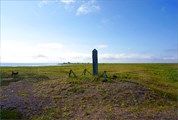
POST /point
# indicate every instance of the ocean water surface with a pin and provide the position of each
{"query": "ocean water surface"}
(29, 64)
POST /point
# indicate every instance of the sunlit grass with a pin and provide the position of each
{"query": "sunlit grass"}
(90, 96)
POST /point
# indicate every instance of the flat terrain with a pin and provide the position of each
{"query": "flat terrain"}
(131, 91)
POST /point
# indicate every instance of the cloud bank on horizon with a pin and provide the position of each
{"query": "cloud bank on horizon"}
(59, 31)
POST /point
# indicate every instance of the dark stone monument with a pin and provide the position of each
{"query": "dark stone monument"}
(95, 61)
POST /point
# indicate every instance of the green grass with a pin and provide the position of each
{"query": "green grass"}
(10, 114)
(154, 95)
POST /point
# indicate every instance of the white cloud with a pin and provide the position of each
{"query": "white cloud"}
(51, 45)
(80, 7)
(93, 1)
(101, 46)
(68, 4)
(67, 1)
(25, 52)
(55, 52)
(124, 56)
(136, 58)
(43, 3)
(170, 58)
(40, 56)
(88, 7)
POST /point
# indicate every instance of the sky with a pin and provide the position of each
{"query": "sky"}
(57, 31)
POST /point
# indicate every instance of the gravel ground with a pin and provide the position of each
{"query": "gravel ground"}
(30, 98)
(19, 95)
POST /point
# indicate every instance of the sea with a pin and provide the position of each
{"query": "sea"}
(29, 64)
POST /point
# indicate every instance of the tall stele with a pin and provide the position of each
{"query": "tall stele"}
(95, 61)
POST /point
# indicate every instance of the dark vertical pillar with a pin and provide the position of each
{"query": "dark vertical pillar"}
(95, 61)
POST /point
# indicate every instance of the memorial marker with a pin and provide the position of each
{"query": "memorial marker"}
(95, 61)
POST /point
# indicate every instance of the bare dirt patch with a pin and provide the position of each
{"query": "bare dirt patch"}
(52, 99)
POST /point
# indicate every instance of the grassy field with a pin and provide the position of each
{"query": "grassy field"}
(131, 91)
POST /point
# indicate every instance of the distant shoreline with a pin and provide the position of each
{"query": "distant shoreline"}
(29, 64)
(59, 64)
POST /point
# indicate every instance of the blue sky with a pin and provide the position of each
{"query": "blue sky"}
(68, 30)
